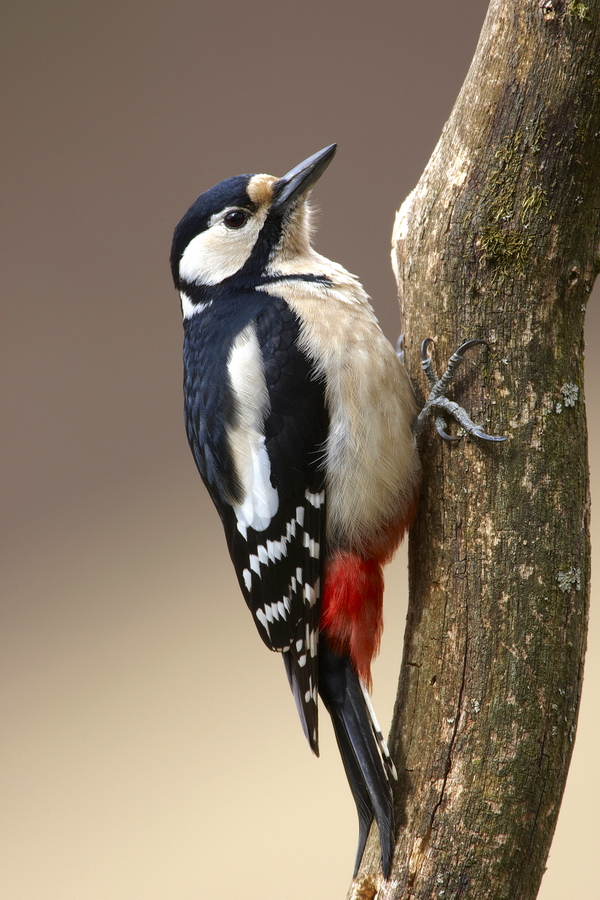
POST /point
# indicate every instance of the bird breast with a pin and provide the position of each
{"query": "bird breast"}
(370, 456)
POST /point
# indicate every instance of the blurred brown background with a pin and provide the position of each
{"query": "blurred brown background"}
(151, 744)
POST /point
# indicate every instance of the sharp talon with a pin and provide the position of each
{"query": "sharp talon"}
(445, 436)
(424, 347)
(468, 344)
(490, 437)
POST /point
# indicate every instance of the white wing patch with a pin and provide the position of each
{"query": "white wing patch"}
(247, 441)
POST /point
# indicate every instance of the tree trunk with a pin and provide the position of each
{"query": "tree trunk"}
(499, 240)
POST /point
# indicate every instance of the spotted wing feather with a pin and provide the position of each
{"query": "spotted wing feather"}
(280, 568)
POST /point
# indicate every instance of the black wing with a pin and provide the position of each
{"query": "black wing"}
(280, 568)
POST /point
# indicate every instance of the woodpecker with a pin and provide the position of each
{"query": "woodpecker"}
(298, 412)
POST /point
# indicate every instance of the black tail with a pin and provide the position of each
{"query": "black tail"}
(342, 694)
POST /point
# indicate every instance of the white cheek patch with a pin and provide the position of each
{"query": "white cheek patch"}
(219, 251)
(247, 441)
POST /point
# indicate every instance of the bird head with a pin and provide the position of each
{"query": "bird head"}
(239, 228)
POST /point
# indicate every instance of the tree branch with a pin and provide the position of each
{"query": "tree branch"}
(499, 240)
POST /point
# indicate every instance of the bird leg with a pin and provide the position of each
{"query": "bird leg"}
(437, 402)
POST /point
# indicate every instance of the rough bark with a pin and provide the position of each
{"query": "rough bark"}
(499, 240)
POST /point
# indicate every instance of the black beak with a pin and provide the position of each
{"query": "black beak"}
(301, 178)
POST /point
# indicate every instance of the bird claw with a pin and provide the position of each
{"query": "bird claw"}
(438, 402)
(497, 438)
(450, 438)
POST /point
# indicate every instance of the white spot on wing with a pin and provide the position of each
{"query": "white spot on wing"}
(276, 549)
(312, 546)
(311, 693)
(263, 620)
(262, 554)
(315, 500)
(247, 576)
(311, 641)
(310, 595)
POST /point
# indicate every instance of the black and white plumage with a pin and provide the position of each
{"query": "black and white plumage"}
(270, 498)
(298, 414)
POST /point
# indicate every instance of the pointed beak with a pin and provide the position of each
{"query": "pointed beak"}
(301, 178)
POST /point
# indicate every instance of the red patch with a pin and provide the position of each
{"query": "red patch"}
(352, 608)
(352, 600)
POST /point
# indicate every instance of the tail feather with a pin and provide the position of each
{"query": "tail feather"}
(344, 698)
(381, 741)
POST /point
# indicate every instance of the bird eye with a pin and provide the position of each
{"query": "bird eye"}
(237, 218)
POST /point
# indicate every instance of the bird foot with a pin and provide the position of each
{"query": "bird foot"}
(437, 402)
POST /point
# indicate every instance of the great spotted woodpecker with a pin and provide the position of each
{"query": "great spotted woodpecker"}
(298, 413)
